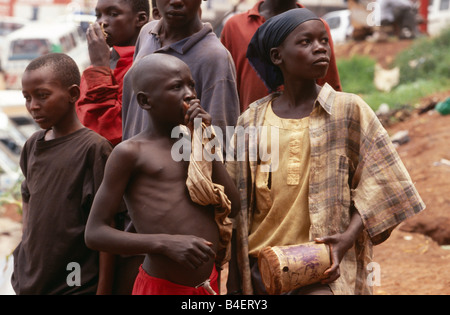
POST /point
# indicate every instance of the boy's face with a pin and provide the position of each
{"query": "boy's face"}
(48, 102)
(167, 90)
(178, 12)
(306, 51)
(119, 21)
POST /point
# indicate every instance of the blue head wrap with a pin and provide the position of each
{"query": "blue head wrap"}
(270, 35)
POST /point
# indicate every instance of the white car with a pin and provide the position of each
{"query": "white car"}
(7, 26)
(340, 27)
(16, 126)
(438, 16)
(37, 39)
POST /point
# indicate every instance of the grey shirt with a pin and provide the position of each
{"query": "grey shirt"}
(212, 69)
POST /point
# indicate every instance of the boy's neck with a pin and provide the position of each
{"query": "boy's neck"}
(270, 8)
(157, 129)
(170, 34)
(297, 100)
(63, 129)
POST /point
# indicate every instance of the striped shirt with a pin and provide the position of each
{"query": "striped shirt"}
(353, 164)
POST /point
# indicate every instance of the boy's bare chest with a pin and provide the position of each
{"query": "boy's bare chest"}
(162, 166)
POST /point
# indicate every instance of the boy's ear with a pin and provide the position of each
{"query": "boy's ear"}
(141, 18)
(143, 101)
(275, 56)
(74, 93)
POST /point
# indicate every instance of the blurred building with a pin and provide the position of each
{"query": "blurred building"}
(44, 9)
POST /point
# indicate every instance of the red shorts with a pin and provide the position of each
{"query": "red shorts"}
(148, 285)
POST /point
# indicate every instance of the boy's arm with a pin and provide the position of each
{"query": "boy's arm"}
(220, 176)
(340, 243)
(24, 214)
(106, 274)
(100, 104)
(100, 235)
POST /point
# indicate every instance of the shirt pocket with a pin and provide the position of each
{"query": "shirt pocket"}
(343, 188)
(263, 189)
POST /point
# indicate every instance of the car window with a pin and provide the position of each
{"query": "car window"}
(445, 5)
(9, 27)
(29, 48)
(334, 22)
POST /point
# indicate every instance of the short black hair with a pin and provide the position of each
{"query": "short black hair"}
(139, 5)
(63, 67)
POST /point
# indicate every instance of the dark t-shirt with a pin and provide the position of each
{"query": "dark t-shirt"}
(61, 179)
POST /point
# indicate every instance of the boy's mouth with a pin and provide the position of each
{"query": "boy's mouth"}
(185, 107)
(175, 13)
(39, 119)
(322, 61)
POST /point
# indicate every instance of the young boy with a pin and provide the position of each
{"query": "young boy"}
(178, 237)
(339, 179)
(181, 33)
(236, 35)
(63, 167)
(111, 43)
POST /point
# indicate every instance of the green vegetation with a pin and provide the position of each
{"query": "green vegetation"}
(12, 196)
(424, 70)
(427, 58)
(357, 74)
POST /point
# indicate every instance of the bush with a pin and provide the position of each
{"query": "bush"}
(424, 70)
(357, 74)
(427, 58)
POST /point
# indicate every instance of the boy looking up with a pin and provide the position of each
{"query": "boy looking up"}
(236, 36)
(339, 179)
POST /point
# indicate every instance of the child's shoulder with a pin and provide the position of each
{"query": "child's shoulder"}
(91, 137)
(148, 27)
(132, 147)
(351, 101)
(332, 100)
(39, 134)
(208, 44)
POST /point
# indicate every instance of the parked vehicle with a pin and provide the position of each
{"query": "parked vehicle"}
(83, 20)
(37, 39)
(16, 126)
(7, 26)
(11, 143)
(340, 26)
(438, 16)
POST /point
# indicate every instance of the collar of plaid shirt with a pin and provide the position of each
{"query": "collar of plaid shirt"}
(353, 164)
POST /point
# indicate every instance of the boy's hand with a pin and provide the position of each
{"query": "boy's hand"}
(189, 250)
(99, 51)
(194, 110)
(339, 245)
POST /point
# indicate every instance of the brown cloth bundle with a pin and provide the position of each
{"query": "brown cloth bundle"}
(204, 192)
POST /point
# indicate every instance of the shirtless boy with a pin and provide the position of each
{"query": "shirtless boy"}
(178, 237)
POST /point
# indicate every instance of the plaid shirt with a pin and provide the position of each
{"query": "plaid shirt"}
(353, 164)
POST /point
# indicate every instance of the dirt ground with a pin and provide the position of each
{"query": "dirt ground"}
(415, 259)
